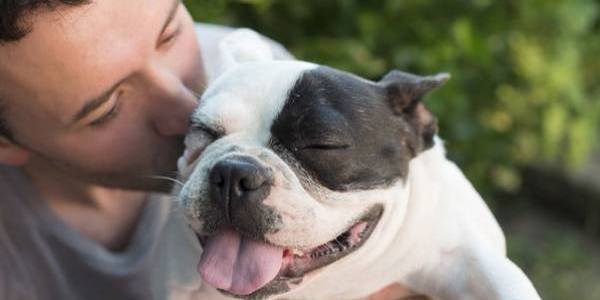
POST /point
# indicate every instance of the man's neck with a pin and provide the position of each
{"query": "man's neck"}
(106, 215)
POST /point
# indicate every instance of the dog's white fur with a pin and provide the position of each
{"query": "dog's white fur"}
(436, 235)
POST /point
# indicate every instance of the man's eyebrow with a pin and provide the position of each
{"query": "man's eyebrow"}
(170, 17)
(93, 104)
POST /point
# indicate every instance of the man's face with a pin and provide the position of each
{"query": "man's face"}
(103, 92)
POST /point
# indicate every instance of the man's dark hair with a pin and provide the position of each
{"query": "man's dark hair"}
(12, 13)
(14, 28)
(4, 131)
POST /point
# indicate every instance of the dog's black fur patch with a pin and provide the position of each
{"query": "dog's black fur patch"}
(348, 133)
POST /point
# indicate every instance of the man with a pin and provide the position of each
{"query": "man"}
(95, 98)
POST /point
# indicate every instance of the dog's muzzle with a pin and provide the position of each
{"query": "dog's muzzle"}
(238, 185)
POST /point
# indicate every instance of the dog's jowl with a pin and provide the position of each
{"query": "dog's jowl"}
(306, 182)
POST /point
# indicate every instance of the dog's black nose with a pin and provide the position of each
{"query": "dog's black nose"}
(239, 184)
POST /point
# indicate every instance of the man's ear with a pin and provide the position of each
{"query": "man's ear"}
(243, 45)
(12, 154)
(405, 93)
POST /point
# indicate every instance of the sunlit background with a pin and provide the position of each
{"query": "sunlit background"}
(521, 115)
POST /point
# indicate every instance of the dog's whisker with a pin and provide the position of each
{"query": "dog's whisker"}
(175, 208)
(168, 179)
(198, 95)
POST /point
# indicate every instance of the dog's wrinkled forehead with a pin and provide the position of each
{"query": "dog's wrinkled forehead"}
(346, 132)
(338, 126)
(251, 88)
(247, 98)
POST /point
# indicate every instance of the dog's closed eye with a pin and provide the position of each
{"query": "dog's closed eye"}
(198, 139)
(324, 143)
(324, 146)
(213, 132)
(323, 134)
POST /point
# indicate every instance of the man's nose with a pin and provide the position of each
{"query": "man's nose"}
(239, 185)
(171, 102)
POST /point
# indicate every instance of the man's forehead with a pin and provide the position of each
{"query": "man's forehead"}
(74, 52)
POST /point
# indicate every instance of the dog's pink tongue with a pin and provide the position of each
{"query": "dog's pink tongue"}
(238, 265)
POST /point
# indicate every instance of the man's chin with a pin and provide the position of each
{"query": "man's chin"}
(148, 173)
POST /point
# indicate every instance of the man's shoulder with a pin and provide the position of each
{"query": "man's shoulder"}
(209, 36)
(15, 224)
(14, 186)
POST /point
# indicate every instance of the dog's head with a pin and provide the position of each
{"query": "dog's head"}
(290, 165)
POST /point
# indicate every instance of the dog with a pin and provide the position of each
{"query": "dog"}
(306, 182)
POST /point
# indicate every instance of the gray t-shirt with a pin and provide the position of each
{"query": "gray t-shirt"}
(43, 258)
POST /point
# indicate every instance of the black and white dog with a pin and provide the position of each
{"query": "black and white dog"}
(305, 182)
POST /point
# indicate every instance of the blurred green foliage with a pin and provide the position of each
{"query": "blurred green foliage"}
(525, 85)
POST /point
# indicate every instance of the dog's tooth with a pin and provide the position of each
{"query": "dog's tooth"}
(338, 246)
(297, 252)
(342, 243)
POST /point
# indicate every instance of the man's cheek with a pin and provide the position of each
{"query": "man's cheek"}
(102, 149)
(187, 59)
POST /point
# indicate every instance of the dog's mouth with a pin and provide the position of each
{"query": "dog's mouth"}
(252, 269)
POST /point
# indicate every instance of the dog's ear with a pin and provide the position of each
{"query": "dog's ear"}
(405, 93)
(243, 45)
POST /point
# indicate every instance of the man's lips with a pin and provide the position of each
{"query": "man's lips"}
(241, 266)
